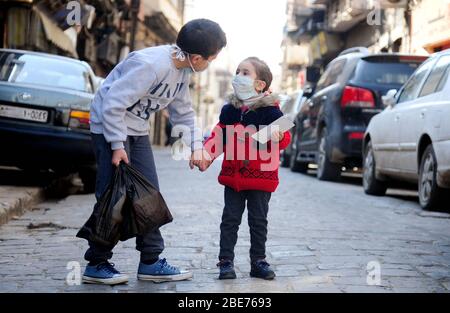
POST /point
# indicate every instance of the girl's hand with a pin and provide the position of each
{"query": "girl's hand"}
(201, 159)
(277, 136)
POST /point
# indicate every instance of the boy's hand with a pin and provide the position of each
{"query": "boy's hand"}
(201, 159)
(277, 136)
(119, 155)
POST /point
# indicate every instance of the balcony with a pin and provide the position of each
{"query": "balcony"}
(164, 7)
(324, 46)
(311, 26)
(342, 15)
(296, 56)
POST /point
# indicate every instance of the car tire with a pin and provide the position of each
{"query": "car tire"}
(431, 196)
(372, 185)
(294, 165)
(88, 177)
(326, 170)
(284, 159)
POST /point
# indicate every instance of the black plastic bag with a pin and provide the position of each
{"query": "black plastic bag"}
(130, 206)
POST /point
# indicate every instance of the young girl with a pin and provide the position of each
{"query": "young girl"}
(247, 175)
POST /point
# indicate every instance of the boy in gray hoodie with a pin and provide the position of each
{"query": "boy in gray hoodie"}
(147, 81)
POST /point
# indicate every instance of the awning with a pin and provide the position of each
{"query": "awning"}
(56, 34)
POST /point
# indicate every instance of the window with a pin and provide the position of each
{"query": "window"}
(289, 104)
(331, 74)
(384, 72)
(437, 78)
(409, 92)
(44, 71)
(298, 103)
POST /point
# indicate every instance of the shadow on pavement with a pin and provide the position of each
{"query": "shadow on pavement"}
(397, 190)
(55, 187)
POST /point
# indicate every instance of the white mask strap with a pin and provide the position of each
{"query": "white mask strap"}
(180, 55)
(192, 67)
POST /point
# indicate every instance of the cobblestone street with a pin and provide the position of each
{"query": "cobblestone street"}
(321, 238)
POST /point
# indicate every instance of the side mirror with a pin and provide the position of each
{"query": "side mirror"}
(308, 91)
(312, 74)
(389, 98)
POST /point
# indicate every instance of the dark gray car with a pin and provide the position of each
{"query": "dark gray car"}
(44, 113)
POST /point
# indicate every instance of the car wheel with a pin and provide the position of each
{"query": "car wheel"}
(88, 177)
(431, 196)
(372, 186)
(326, 170)
(294, 165)
(284, 159)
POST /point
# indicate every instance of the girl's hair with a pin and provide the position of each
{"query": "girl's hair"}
(262, 71)
(201, 36)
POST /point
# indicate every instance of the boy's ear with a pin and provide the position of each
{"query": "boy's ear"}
(196, 58)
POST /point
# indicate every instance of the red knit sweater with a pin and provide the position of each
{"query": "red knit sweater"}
(247, 164)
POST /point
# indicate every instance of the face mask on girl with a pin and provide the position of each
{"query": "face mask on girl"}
(244, 87)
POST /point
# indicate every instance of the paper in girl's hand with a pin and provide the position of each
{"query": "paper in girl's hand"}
(282, 124)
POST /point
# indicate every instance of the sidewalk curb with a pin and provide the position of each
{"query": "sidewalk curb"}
(12, 205)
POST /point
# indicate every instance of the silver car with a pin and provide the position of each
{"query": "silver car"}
(410, 139)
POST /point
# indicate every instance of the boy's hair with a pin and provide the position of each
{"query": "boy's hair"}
(201, 36)
(262, 71)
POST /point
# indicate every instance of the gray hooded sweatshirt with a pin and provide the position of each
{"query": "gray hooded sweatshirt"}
(145, 82)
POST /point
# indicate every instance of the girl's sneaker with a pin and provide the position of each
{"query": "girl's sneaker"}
(226, 269)
(103, 273)
(161, 271)
(261, 269)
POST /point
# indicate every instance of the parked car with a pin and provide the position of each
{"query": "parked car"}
(331, 124)
(290, 108)
(410, 139)
(44, 113)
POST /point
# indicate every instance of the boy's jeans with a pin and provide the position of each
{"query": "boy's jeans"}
(140, 156)
(258, 207)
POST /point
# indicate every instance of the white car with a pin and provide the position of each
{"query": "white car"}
(410, 139)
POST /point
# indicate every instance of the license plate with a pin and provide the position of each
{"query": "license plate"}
(24, 113)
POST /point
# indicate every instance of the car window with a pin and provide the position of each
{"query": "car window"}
(444, 79)
(288, 105)
(44, 71)
(438, 74)
(298, 103)
(409, 92)
(331, 74)
(384, 72)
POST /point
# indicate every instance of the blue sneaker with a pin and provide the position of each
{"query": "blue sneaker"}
(261, 269)
(103, 273)
(161, 271)
(226, 269)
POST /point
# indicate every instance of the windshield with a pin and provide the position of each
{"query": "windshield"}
(44, 71)
(385, 73)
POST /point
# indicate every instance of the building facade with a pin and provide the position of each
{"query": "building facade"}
(317, 31)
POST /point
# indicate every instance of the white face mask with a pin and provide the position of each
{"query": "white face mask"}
(192, 66)
(181, 55)
(244, 87)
